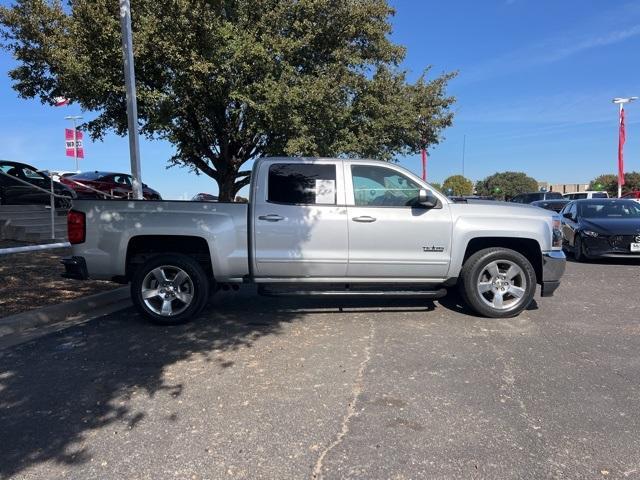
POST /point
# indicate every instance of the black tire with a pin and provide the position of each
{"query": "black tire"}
(578, 249)
(519, 290)
(195, 286)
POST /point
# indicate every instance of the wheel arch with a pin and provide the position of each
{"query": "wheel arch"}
(142, 247)
(528, 247)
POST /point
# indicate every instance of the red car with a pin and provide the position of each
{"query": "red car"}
(106, 185)
(632, 195)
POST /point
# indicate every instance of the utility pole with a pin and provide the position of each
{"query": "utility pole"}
(74, 119)
(132, 105)
(621, 139)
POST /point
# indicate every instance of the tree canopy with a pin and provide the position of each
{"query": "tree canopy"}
(227, 81)
(609, 183)
(507, 184)
(458, 184)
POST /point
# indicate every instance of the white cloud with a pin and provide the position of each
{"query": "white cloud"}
(606, 31)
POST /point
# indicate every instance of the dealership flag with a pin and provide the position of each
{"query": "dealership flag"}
(621, 140)
(61, 101)
(68, 136)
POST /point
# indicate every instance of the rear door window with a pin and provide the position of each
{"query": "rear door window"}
(302, 184)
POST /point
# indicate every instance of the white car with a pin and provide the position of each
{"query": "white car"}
(585, 195)
(58, 174)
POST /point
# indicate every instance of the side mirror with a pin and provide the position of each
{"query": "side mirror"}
(426, 198)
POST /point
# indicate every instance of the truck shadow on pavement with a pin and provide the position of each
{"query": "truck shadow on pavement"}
(56, 390)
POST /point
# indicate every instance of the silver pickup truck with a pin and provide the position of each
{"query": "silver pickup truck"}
(319, 226)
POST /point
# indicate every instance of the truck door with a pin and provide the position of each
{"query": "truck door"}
(389, 236)
(300, 220)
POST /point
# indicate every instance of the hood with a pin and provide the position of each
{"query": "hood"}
(612, 226)
(502, 209)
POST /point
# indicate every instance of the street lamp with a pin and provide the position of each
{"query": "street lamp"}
(132, 105)
(621, 139)
(74, 119)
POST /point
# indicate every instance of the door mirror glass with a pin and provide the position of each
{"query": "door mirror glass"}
(426, 198)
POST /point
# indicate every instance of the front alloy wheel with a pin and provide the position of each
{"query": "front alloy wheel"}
(497, 282)
(502, 284)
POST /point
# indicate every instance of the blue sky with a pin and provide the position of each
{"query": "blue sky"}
(536, 79)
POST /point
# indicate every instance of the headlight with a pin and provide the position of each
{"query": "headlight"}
(590, 233)
(557, 233)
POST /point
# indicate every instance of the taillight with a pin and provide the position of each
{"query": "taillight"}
(76, 227)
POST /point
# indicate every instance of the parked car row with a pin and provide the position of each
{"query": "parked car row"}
(22, 184)
(106, 185)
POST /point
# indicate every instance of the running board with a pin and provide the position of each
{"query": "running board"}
(430, 294)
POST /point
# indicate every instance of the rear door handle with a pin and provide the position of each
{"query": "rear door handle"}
(271, 218)
(364, 219)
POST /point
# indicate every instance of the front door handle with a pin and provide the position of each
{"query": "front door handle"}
(364, 219)
(271, 218)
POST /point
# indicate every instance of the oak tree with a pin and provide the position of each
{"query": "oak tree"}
(228, 81)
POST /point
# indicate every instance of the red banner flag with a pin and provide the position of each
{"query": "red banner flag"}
(70, 144)
(621, 140)
(424, 164)
(60, 101)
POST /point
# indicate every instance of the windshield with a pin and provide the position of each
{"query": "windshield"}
(610, 209)
(87, 176)
(23, 172)
(554, 196)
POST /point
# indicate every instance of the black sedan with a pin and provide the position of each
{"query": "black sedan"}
(555, 205)
(601, 228)
(22, 184)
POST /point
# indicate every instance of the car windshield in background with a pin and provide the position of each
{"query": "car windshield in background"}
(87, 176)
(610, 209)
(23, 172)
(554, 196)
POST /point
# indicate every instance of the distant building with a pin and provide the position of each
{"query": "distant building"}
(563, 187)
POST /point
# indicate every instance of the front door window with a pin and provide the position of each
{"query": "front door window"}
(382, 187)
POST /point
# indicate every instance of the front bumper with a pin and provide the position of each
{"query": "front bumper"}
(75, 267)
(604, 246)
(553, 265)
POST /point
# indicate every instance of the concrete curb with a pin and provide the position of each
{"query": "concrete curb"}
(55, 317)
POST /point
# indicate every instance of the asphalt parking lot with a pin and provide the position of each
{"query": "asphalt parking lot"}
(275, 388)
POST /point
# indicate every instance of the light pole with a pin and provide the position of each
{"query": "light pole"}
(621, 139)
(74, 119)
(132, 106)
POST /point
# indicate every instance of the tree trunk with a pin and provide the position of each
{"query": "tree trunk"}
(226, 186)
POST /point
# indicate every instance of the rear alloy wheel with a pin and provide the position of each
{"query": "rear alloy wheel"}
(170, 289)
(498, 282)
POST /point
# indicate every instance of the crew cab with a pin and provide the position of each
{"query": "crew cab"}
(319, 226)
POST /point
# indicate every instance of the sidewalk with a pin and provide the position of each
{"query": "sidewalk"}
(32, 280)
